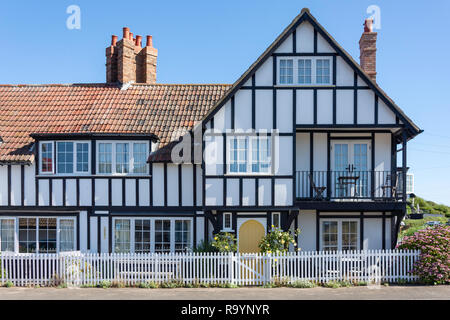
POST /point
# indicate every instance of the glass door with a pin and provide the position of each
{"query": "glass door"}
(350, 165)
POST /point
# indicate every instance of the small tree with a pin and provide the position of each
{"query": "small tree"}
(224, 242)
(278, 241)
(434, 264)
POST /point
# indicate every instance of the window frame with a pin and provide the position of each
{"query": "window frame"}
(339, 231)
(295, 62)
(224, 227)
(58, 231)
(249, 155)
(152, 231)
(41, 158)
(279, 219)
(114, 160)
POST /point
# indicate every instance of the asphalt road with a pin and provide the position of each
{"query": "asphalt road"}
(247, 293)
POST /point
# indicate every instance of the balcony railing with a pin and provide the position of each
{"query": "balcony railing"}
(327, 185)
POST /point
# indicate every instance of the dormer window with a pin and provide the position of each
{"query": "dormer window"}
(305, 71)
(122, 157)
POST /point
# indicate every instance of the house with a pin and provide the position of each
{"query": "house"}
(305, 138)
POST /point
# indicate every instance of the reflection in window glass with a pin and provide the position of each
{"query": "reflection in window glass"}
(349, 235)
(67, 235)
(47, 235)
(141, 236)
(7, 232)
(330, 235)
(122, 157)
(104, 157)
(122, 235)
(162, 235)
(139, 158)
(27, 235)
(182, 235)
(286, 71)
(82, 157)
(65, 157)
(47, 156)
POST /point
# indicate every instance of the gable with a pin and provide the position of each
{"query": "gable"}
(351, 99)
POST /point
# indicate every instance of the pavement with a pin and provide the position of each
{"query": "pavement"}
(246, 293)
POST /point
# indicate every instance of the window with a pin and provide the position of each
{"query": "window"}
(322, 71)
(145, 235)
(82, 157)
(122, 157)
(122, 242)
(71, 157)
(47, 157)
(339, 235)
(227, 221)
(305, 71)
(104, 157)
(238, 158)
(162, 235)
(182, 235)
(64, 157)
(249, 154)
(140, 157)
(142, 236)
(276, 220)
(7, 234)
(46, 234)
(286, 71)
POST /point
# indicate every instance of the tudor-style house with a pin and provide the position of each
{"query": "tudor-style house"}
(305, 138)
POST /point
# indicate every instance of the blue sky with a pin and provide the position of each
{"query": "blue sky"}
(216, 41)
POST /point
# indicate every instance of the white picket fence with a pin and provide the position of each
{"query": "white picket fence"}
(241, 269)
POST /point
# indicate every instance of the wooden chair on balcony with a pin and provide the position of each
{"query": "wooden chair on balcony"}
(389, 186)
(317, 191)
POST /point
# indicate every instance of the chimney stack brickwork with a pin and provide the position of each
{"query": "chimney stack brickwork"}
(368, 48)
(127, 61)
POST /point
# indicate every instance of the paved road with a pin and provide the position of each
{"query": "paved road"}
(356, 293)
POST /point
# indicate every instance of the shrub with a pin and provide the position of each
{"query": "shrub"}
(278, 241)
(303, 284)
(225, 242)
(104, 284)
(204, 246)
(433, 267)
(332, 284)
(9, 284)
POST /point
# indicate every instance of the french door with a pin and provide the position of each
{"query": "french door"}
(350, 165)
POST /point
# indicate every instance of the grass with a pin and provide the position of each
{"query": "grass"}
(414, 225)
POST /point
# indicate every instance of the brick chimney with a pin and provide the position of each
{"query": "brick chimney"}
(368, 49)
(127, 61)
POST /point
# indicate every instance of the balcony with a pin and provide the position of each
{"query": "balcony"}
(349, 186)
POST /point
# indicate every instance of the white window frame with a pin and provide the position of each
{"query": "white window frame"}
(152, 231)
(295, 60)
(249, 155)
(74, 161)
(53, 157)
(224, 227)
(113, 158)
(339, 225)
(58, 230)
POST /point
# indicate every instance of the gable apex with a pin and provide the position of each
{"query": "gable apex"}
(306, 16)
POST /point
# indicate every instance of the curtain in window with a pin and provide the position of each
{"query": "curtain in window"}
(104, 157)
(182, 235)
(122, 235)
(122, 157)
(7, 234)
(67, 235)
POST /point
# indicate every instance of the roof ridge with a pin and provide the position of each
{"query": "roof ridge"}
(118, 85)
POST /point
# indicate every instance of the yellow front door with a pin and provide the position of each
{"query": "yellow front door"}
(250, 234)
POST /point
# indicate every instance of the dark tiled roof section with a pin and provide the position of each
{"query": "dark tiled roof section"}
(165, 110)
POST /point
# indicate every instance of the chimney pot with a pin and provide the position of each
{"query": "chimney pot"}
(368, 25)
(131, 36)
(126, 32)
(139, 41)
(149, 41)
(113, 40)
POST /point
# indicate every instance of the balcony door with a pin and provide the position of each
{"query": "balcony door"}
(350, 165)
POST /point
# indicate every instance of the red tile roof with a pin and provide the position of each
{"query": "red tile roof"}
(165, 110)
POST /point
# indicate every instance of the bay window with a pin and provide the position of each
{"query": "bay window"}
(145, 235)
(37, 234)
(249, 154)
(122, 157)
(339, 234)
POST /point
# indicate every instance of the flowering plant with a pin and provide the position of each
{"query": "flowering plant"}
(224, 242)
(278, 240)
(434, 263)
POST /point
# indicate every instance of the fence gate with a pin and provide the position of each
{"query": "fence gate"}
(251, 269)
